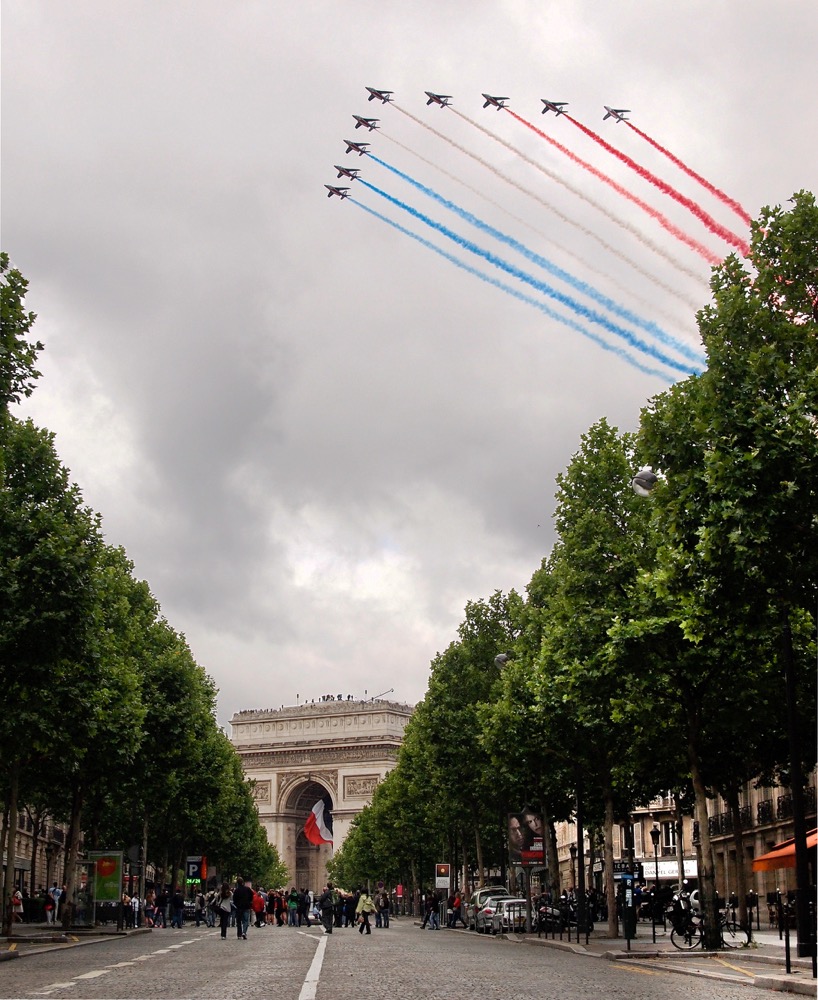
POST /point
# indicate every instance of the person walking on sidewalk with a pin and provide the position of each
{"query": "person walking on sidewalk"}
(243, 901)
(326, 903)
(224, 905)
(363, 909)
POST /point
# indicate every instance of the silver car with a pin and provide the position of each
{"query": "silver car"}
(479, 896)
(485, 914)
(509, 916)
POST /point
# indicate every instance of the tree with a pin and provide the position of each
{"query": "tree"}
(739, 452)
(18, 354)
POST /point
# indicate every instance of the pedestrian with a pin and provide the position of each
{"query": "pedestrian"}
(161, 915)
(55, 894)
(150, 907)
(243, 902)
(292, 908)
(270, 907)
(136, 905)
(212, 911)
(457, 911)
(384, 904)
(364, 907)
(17, 907)
(49, 909)
(224, 902)
(127, 911)
(177, 905)
(326, 903)
(258, 909)
(200, 907)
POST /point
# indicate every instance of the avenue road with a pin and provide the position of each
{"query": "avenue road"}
(401, 963)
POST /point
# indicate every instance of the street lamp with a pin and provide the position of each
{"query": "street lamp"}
(655, 833)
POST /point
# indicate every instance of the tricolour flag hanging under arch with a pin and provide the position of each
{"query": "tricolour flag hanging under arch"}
(318, 828)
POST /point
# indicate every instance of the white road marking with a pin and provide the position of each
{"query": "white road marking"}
(93, 975)
(310, 987)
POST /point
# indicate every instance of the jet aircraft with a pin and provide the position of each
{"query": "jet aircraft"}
(350, 172)
(555, 106)
(441, 99)
(358, 147)
(495, 102)
(341, 192)
(370, 123)
(616, 113)
(385, 96)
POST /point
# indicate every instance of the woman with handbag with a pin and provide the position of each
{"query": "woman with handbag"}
(224, 905)
(363, 909)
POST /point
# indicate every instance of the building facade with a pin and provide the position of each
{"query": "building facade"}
(297, 755)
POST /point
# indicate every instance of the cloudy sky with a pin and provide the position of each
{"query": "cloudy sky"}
(316, 436)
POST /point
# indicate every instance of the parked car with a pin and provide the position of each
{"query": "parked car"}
(479, 896)
(485, 914)
(509, 916)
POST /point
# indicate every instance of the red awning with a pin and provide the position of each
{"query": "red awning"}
(783, 854)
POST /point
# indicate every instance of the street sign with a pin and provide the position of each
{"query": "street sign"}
(442, 874)
(193, 869)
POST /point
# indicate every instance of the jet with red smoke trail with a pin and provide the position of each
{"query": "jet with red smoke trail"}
(357, 147)
(341, 192)
(441, 99)
(617, 113)
(494, 102)
(350, 172)
(555, 106)
(384, 96)
(370, 123)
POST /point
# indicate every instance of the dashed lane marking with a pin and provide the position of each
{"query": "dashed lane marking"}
(735, 968)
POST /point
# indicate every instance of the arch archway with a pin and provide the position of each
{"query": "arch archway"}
(308, 869)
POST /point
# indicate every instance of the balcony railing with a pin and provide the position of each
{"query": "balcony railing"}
(765, 813)
(784, 807)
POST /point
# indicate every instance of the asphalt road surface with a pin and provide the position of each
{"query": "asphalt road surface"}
(401, 963)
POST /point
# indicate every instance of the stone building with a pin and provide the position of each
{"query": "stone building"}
(299, 754)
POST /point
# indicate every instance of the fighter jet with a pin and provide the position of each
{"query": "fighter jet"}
(555, 106)
(358, 147)
(441, 99)
(617, 113)
(350, 172)
(370, 123)
(341, 192)
(495, 102)
(385, 96)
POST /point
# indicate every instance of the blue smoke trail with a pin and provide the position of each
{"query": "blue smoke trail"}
(541, 286)
(581, 286)
(517, 294)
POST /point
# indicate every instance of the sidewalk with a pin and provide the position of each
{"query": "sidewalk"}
(762, 964)
(34, 939)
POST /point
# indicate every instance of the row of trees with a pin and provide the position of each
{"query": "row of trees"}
(110, 724)
(665, 643)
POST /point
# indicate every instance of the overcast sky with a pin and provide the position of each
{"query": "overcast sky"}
(317, 437)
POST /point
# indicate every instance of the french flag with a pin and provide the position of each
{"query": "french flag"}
(318, 828)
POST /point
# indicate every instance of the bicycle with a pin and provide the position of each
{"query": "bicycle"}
(689, 935)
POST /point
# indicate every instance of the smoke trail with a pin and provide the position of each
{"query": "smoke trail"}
(541, 286)
(517, 294)
(581, 286)
(663, 221)
(629, 227)
(726, 199)
(704, 217)
(567, 219)
(563, 249)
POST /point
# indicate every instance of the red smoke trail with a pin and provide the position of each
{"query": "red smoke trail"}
(586, 264)
(663, 221)
(730, 202)
(715, 227)
(624, 224)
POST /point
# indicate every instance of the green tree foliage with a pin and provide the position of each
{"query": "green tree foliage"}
(18, 354)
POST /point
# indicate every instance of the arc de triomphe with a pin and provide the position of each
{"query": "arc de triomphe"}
(297, 755)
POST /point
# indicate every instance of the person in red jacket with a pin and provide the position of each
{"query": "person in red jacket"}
(258, 907)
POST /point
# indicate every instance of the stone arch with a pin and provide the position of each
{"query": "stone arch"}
(307, 866)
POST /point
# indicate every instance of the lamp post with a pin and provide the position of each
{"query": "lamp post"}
(572, 850)
(655, 833)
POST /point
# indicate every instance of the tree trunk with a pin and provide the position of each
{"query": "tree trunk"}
(478, 850)
(71, 855)
(10, 838)
(707, 869)
(680, 846)
(738, 841)
(610, 884)
(551, 854)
